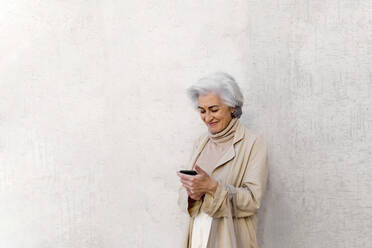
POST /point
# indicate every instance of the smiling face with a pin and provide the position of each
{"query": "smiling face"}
(214, 112)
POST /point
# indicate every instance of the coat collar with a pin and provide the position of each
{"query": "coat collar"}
(230, 153)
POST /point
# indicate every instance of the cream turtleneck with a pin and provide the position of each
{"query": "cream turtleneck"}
(216, 146)
(226, 134)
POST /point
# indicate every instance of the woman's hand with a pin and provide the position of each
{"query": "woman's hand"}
(197, 186)
(194, 196)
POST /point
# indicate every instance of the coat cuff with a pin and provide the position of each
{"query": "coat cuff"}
(185, 203)
(213, 202)
(193, 207)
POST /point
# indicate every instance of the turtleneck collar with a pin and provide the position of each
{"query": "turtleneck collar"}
(226, 134)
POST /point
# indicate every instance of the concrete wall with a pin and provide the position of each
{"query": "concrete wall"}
(94, 120)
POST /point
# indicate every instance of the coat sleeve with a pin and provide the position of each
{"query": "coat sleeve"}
(248, 196)
(186, 204)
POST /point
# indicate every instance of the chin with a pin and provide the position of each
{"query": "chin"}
(214, 130)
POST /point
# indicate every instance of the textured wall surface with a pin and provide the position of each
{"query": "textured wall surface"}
(94, 120)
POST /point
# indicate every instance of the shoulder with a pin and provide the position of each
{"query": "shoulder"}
(199, 140)
(202, 137)
(254, 137)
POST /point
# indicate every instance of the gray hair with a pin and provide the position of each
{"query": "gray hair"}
(222, 84)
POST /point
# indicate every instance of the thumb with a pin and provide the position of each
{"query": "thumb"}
(199, 170)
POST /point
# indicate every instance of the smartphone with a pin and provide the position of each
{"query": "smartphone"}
(189, 172)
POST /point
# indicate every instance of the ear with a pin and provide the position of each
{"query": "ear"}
(232, 110)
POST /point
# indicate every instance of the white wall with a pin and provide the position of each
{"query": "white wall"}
(94, 119)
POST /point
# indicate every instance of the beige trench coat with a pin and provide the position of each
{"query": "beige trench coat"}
(242, 174)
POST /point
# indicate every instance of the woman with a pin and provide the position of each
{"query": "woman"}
(223, 198)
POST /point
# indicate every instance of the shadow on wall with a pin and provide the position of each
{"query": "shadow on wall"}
(262, 216)
(275, 217)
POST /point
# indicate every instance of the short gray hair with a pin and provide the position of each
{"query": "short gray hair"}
(222, 84)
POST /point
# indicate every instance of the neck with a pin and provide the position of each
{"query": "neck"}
(226, 134)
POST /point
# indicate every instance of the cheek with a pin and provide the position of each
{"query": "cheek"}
(224, 117)
(220, 116)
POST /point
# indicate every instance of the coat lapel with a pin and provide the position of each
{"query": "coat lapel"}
(200, 148)
(230, 153)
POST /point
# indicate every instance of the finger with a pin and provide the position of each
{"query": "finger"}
(183, 176)
(186, 181)
(199, 170)
(187, 186)
(191, 194)
(191, 189)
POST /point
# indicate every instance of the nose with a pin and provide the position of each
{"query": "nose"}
(208, 117)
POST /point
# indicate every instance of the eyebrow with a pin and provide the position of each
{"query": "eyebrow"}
(209, 106)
